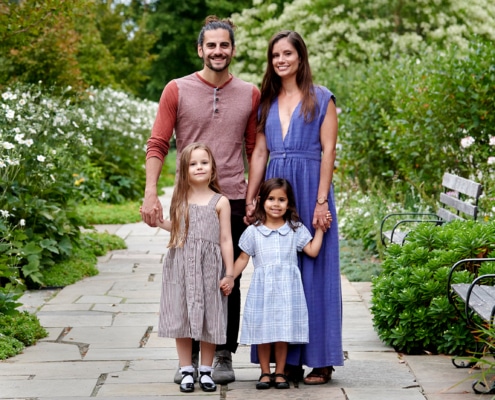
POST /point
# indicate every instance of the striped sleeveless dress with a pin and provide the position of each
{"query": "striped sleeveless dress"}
(192, 305)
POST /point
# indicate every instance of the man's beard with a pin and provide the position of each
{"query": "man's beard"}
(210, 66)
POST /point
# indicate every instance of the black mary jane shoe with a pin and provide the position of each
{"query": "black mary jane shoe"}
(207, 386)
(281, 385)
(186, 387)
(264, 385)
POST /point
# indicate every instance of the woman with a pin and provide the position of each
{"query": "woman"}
(297, 130)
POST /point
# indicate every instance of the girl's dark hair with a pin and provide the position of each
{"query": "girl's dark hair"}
(212, 22)
(271, 84)
(291, 216)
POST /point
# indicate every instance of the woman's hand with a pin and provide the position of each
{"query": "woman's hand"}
(249, 217)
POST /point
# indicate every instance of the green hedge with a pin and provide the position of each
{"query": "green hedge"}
(410, 308)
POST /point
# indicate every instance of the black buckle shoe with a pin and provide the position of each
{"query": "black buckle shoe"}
(186, 387)
(207, 386)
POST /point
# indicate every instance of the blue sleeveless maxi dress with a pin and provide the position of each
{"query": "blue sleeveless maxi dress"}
(297, 158)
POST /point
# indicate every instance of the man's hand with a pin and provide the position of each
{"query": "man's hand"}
(151, 210)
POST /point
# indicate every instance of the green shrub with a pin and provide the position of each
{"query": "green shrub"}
(410, 308)
(18, 331)
(9, 347)
(410, 119)
(22, 326)
(82, 262)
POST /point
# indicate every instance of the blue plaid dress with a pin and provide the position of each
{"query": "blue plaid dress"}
(275, 309)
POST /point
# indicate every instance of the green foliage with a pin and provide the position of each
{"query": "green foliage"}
(53, 152)
(356, 264)
(9, 347)
(22, 326)
(73, 43)
(17, 331)
(82, 262)
(343, 34)
(400, 111)
(105, 213)
(410, 308)
(9, 294)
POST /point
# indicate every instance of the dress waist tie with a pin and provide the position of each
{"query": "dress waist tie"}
(311, 155)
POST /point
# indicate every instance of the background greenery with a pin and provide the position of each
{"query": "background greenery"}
(79, 81)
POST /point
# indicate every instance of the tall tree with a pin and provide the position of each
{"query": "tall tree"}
(74, 43)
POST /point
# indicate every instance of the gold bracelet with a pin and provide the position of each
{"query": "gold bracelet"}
(229, 276)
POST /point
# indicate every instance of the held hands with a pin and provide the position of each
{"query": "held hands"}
(151, 211)
(227, 284)
(322, 218)
(249, 218)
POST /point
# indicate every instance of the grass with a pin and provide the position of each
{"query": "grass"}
(357, 264)
(104, 213)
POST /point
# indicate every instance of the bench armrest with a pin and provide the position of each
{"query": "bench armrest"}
(457, 266)
(432, 218)
(476, 282)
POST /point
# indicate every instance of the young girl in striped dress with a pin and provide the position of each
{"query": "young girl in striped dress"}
(199, 260)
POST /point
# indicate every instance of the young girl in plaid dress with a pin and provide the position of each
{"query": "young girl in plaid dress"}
(275, 313)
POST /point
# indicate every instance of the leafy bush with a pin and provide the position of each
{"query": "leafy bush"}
(9, 347)
(410, 308)
(56, 150)
(411, 119)
(17, 331)
(82, 262)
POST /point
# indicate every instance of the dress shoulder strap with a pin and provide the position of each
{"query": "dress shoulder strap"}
(214, 199)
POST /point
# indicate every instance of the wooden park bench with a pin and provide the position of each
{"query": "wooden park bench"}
(470, 299)
(459, 200)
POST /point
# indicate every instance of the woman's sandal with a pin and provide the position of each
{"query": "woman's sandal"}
(281, 385)
(264, 385)
(319, 376)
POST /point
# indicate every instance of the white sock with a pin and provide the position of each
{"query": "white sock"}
(205, 378)
(187, 378)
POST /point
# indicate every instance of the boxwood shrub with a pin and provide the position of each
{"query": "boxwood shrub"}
(410, 307)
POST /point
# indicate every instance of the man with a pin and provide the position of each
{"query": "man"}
(213, 107)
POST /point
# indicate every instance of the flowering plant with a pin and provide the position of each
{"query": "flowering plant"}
(56, 150)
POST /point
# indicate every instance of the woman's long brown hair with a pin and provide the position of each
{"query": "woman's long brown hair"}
(272, 84)
(179, 207)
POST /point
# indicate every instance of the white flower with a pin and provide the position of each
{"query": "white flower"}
(41, 158)
(467, 141)
(10, 114)
(22, 222)
(491, 160)
(492, 141)
(7, 145)
(4, 213)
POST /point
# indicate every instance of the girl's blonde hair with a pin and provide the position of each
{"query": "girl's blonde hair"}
(179, 207)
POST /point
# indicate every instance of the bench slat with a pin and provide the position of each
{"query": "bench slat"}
(482, 298)
(458, 204)
(398, 237)
(447, 215)
(462, 185)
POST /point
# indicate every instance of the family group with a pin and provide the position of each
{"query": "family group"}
(282, 218)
